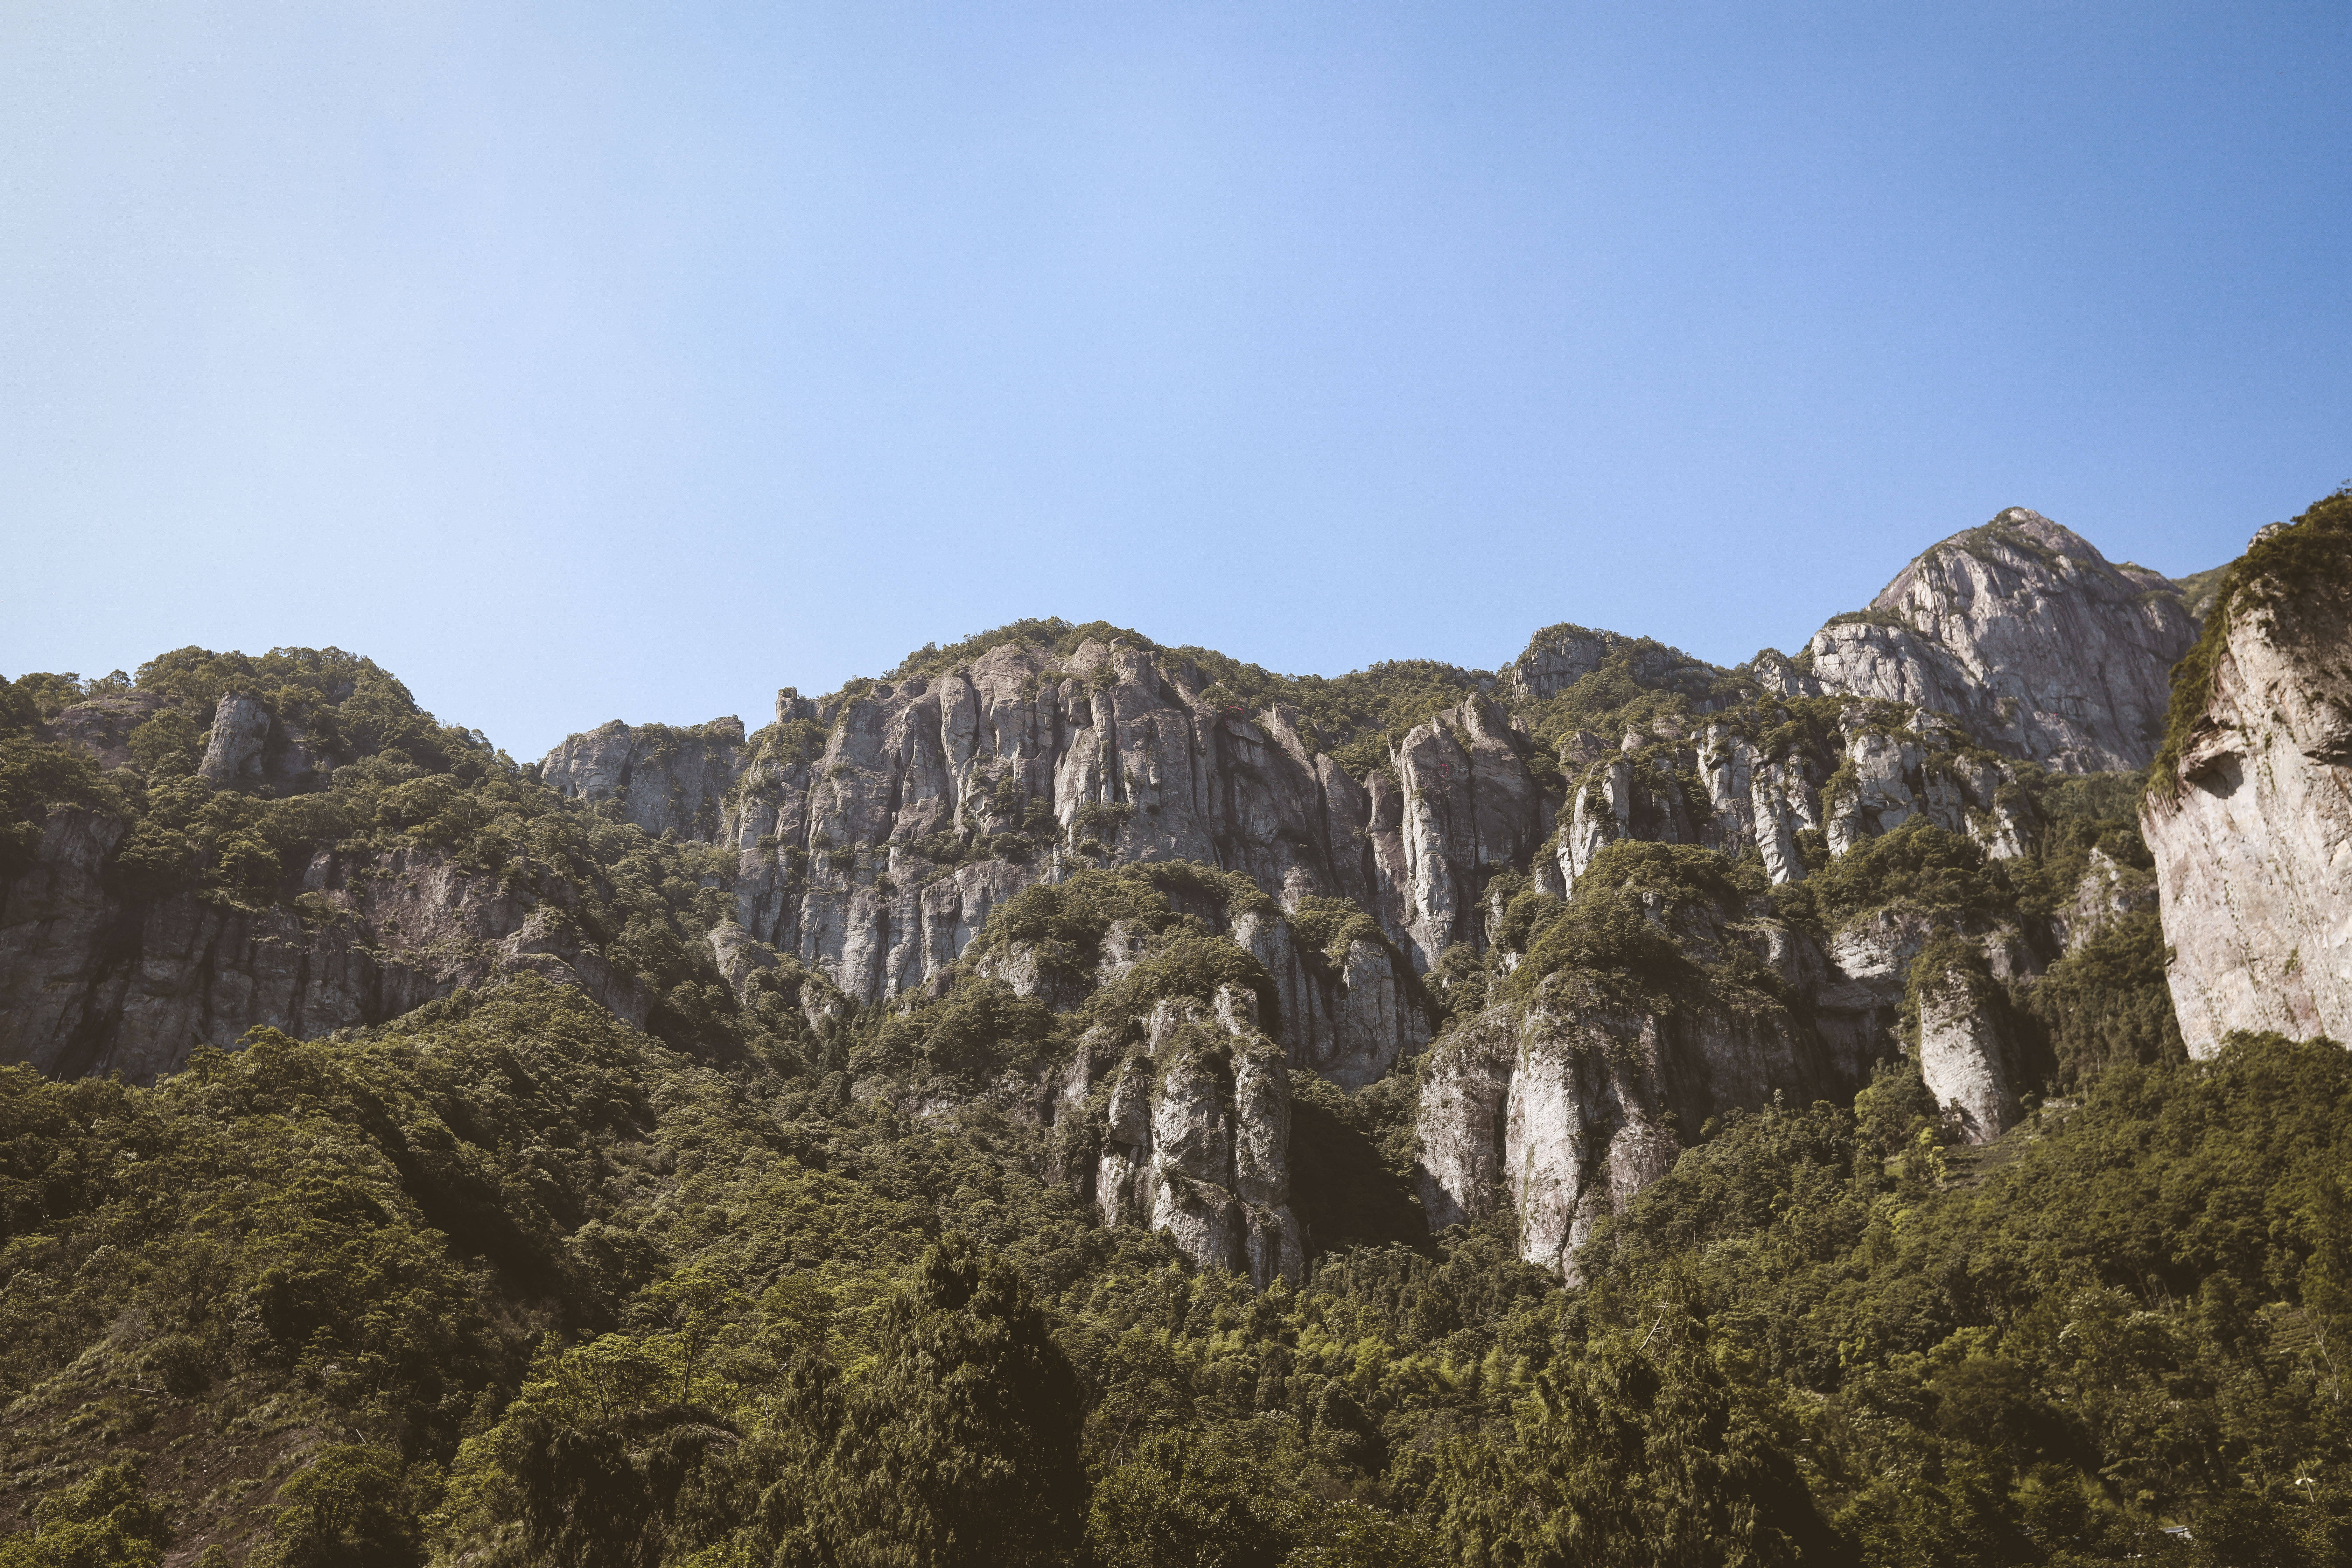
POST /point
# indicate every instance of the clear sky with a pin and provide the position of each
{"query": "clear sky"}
(584, 361)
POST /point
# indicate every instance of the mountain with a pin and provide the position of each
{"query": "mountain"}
(1198, 1029)
(2027, 634)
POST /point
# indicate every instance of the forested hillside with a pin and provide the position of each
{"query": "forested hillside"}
(1773, 1144)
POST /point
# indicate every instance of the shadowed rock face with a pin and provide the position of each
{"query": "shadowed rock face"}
(2253, 833)
(2029, 636)
(91, 984)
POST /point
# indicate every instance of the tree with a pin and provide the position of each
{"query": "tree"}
(963, 1447)
(1633, 1455)
(349, 1509)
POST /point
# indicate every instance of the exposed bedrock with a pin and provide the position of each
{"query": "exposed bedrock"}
(856, 834)
(2251, 830)
(1886, 765)
(1963, 1058)
(91, 984)
(1560, 1111)
(661, 778)
(2025, 633)
(1195, 1140)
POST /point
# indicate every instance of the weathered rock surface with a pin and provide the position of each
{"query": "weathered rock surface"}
(1563, 1107)
(250, 750)
(92, 984)
(1561, 1110)
(2024, 632)
(1350, 1014)
(1963, 1058)
(1889, 764)
(2252, 833)
(666, 780)
(1562, 1113)
(851, 841)
(1197, 1140)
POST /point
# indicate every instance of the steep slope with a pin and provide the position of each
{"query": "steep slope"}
(290, 841)
(2249, 809)
(2026, 633)
(664, 780)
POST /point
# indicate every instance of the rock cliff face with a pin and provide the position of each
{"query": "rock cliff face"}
(1350, 1011)
(1886, 764)
(1563, 1111)
(2026, 633)
(872, 840)
(1963, 1059)
(867, 840)
(248, 750)
(1196, 1142)
(2251, 817)
(664, 780)
(91, 984)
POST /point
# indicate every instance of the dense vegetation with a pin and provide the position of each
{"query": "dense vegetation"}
(393, 778)
(504, 1280)
(511, 1278)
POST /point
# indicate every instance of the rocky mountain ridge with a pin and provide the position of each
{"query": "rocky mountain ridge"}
(1401, 910)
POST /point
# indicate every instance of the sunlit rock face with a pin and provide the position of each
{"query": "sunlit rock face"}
(862, 832)
(1197, 1143)
(2252, 828)
(2024, 632)
(664, 780)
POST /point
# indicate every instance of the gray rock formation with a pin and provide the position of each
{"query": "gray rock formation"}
(1350, 1012)
(666, 780)
(89, 984)
(2251, 830)
(1562, 1109)
(2026, 633)
(233, 751)
(1557, 658)
(1561, 1113)
(249, 749)
(1889, 763)
(1963, 1058)
(1197, 1142)
(851, 842)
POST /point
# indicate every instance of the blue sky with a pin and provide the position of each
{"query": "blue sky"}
(580, 362)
